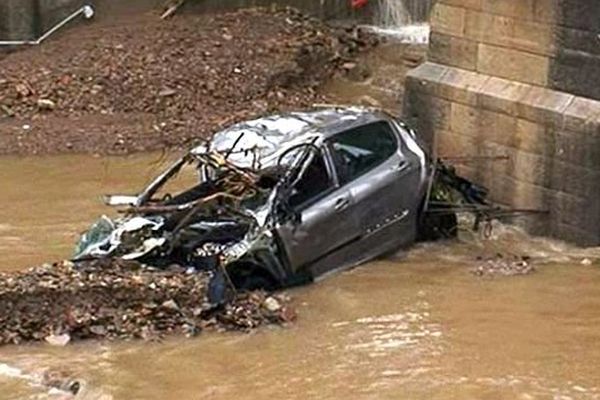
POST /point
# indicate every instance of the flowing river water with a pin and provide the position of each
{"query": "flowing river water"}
(417, 325)
(413, 326)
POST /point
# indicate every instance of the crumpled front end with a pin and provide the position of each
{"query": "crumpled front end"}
(222, 220)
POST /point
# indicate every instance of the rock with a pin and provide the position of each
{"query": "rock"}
(171, 305)
(58, 340)
(46, 104)
(22, 89)
(167, 93)
(272, 304)
(586, 261)
(98, 330)
(7, 110)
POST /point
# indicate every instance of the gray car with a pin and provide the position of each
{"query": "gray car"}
(281, 200)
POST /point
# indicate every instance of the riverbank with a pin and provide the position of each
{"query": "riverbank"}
(142, 84)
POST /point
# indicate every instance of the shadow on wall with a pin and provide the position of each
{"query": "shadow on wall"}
(577, 59)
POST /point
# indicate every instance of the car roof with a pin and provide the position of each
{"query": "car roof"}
(331, 121)
(267, 137)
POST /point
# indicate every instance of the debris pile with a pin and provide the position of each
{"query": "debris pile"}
(115, 299)
(143, 83)
(503, 265)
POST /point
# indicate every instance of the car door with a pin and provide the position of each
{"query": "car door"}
(384, 180)
(327, 222)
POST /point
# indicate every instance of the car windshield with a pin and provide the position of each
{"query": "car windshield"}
(314, 182)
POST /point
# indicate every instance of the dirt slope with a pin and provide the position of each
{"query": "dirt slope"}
(141, 84)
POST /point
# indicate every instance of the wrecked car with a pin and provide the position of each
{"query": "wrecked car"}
(282, 200)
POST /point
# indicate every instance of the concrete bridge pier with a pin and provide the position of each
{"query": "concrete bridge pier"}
(519, 78)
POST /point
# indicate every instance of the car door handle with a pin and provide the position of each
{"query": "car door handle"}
(401, 166)
(342, 203)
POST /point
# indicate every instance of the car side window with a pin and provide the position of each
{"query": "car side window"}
(359, 150)
(314, 182)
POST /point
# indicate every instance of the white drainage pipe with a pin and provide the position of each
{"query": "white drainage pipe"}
(87, 12)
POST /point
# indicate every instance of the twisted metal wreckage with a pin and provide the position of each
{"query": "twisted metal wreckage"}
(284, 199)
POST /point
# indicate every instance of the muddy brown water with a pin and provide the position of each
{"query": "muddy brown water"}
(414, 326)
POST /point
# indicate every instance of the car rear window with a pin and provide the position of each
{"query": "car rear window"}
(361, 149)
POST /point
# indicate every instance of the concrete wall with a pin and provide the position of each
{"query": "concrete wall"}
(18, 19)
(28, 19)
(519, 78)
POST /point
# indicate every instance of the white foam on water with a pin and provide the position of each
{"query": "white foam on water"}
(403, 20)
(12, 372)
(412, 34)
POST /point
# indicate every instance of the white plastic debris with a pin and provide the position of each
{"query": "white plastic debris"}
(58, 340)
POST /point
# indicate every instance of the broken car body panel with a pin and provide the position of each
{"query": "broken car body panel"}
(288, 197)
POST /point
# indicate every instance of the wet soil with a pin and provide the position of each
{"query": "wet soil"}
(377, 80)
(140, 83)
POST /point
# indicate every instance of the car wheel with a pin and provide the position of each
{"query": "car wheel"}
(250, 277)
(437, 223)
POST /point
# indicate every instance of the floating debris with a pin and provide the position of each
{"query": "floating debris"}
(502, 265)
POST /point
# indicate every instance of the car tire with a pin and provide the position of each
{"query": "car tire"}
(435, 224)
(248, 277)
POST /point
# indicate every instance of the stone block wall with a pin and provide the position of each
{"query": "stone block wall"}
(576, 64)
(497, 84)
(552, 43)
